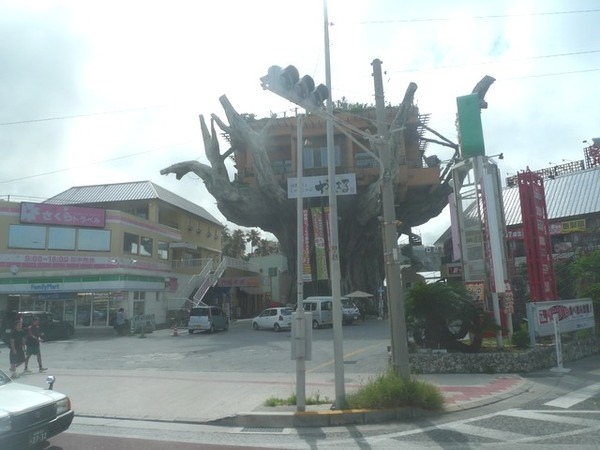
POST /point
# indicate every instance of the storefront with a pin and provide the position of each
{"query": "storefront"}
(94, 304)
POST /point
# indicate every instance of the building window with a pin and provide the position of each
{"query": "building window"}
(61, 238)
(146, 244)
(93, 240)
(163, 250)
(316, 157)
(130, 243)
(27, 236)
(139, 300)
(573, 226)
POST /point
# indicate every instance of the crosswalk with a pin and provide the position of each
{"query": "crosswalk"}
(575, 397)
(562, 419)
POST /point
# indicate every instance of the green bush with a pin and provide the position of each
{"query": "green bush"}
(391, 390)
(520, 339)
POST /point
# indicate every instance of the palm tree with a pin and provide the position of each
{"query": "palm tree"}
(253, 238)
(234, 243)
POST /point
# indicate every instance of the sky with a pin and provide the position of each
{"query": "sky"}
(96, 92)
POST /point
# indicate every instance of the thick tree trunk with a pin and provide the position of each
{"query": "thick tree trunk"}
(266, 205)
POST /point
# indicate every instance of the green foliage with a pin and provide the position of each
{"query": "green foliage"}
(234, 244)
(314, 399)
(437, 312)
(390, 390)
(520, 338)
(586, 271)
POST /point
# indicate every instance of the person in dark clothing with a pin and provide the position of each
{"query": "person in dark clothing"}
(33, 340)
(17, 348)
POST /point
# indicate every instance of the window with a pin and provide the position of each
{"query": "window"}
(60, 238)
(139, 298)
(573, 226)
(27, 236)
(364, 160)
(131, 243)
(93, 240)
(316, 157)
(163, 250)
(146, 246)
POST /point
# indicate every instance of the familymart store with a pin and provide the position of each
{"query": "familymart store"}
(86, 301)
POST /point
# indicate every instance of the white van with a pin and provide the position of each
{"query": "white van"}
(321, 308)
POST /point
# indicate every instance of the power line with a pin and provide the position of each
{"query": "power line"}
(495, 16)
(93, 163)
(501, 61)
(75, 116)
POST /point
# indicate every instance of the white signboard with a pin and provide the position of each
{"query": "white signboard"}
(345, 184)
(573, 315)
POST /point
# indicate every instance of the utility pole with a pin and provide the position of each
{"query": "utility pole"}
(393, 274)
(334, 250)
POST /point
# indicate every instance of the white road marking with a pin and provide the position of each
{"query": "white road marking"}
(572, 398)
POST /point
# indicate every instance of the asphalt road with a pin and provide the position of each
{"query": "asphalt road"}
(559, 410)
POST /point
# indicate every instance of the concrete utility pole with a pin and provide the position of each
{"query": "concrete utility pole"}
(334, 251)
(393, 274)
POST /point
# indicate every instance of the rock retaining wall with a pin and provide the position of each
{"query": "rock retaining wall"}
(541, 357)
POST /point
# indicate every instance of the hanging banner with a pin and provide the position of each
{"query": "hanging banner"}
(306, 268)
(320, 253)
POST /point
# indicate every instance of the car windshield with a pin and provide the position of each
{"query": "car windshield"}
(286, 311)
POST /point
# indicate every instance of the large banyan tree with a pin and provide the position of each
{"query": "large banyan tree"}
(264, 202)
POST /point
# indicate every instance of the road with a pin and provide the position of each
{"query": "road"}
(558, 411)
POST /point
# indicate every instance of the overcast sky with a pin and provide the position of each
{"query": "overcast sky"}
(95, 92)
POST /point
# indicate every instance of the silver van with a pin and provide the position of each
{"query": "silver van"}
(321, 308)
(207, 318)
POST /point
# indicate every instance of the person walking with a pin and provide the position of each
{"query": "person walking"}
(121, 323)
(33, 340)
(17, 350)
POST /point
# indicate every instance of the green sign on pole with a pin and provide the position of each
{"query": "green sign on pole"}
(469, 126)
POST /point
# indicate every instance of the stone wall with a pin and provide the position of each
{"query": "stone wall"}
(514, 361)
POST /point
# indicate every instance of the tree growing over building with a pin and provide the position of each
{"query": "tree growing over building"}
(265, 204)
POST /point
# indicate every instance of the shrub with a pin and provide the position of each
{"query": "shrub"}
(520, 339)
(391, 390)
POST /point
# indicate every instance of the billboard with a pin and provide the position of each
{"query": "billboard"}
(573, 315)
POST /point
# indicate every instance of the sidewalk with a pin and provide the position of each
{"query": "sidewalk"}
(237, 399)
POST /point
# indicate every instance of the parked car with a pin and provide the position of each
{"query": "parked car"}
(273, 319)
(29, 415)
(350, 312)
(52, 328)
(207, 318)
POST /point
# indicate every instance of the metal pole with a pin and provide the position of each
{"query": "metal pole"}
(300, 361)
(393, 274)
(334, 257)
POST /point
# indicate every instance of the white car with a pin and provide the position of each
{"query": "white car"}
(29, 415)
(274, 319)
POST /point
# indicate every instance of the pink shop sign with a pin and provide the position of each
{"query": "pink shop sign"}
(43, 214)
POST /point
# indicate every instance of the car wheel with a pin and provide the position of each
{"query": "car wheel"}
(315, 324)
(255, 325)
(212, 328)
(277, 327)
(191, 331)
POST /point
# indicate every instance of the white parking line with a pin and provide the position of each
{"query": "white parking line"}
(572, 398)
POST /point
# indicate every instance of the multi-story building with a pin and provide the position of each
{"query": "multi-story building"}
(573, 212)
(90, 250)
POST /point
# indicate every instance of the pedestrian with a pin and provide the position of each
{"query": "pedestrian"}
(17, 347)
(33, 340)
(121, 322)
